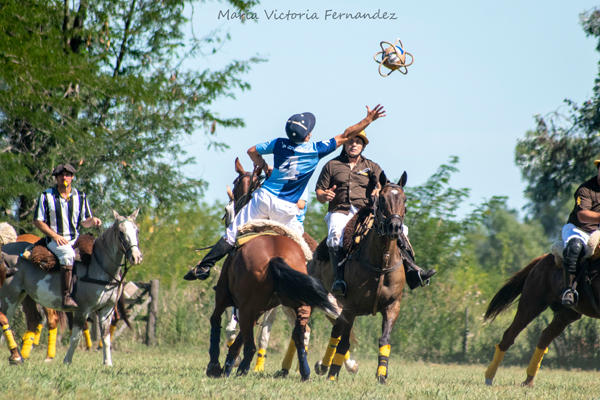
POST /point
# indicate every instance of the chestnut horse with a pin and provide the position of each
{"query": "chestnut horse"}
(539, 284)
(374, 280)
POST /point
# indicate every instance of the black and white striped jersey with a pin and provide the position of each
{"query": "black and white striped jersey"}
(63, 216)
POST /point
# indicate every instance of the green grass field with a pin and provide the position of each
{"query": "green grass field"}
(178, 373)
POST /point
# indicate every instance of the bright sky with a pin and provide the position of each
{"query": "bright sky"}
(482, 70)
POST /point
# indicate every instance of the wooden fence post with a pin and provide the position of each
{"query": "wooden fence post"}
(152, 314)
(466, 339)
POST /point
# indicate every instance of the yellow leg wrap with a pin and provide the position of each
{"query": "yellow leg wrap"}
(88, 339)
(333, 343)
(112, 332)
(347, 356)
(27, 344)
(490, 373)
(10, 339)
(52, 342)
(38, 333)
(100, 344)
(339, 359)
(289, 356)
(260, 360)
(384, 354)
(230, 343)
(536, 361)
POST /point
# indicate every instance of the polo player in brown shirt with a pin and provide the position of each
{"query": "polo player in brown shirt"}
(583, 220)
(347, 183)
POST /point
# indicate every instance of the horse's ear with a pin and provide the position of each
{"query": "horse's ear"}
(115, 215)
(134, 215)
(238, 167)
(383, 180)
(403, 179)
(229, 193)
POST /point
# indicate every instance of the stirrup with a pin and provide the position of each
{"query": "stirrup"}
(563, 300)
(423, 282)
(337, 290)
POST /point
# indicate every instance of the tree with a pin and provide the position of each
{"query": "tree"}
(100, 84)
(557, 156)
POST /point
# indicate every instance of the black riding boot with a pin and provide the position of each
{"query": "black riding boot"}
(415, 276)
(337, 255)
(202, 270)
(571, 257)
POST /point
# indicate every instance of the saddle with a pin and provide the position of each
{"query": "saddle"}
(261, 227)
(592, 250)
(46, 260)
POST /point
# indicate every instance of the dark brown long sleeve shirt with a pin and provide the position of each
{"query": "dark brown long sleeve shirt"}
(353, 187)
(587, 197)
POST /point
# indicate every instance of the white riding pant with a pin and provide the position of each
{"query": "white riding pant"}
(570, 231)
(265, 205)
(336, 224)
(65, 253)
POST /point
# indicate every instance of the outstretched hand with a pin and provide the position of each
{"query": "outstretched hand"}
(375, 113)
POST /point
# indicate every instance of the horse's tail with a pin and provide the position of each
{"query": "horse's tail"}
(507, 295)
(122, 311)
(299, 287)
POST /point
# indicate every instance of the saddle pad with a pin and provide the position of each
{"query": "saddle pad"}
(243, 239)
(264, 225)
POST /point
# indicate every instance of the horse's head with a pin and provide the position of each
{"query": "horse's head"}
(127, 232)
(390, 209)
(243, 187)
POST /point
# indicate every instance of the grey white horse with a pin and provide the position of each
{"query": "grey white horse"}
(97, 286)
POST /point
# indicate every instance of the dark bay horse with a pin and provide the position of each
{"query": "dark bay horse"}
(374, 280)
(539, 284)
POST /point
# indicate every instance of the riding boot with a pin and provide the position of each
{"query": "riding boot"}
(415, 276)
(337, 256)
(571, 257)
(202, 270)
(66, 273)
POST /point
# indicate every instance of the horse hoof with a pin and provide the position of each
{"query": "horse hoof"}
(381, 379)
(320, 369)
(527, 384)
(351, 366)
(49, 359)
(17, 361)
(283, 373)
(237, 362)
(489, 382)
(214, 370)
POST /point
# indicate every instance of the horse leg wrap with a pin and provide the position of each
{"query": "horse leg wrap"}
(88, 339)
(52, 342)
(228, 366)
(38, 333)
(536, 361)
(112, 330)
(303, 364)
(230, 342)
(490, 373)
(10, 339)
(384, 358)
(28, 338)
(333, 343)
(215, 339)
(289, 356)
(336, 365)
(260, 360)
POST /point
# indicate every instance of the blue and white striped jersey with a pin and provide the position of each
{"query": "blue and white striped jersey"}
(293, 165)
(63, 216)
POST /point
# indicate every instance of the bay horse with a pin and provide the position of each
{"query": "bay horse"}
(539, 285)
(374, 280)
(97, 287)
(243, 187)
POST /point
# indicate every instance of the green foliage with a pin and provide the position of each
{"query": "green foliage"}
(557, 157)
(101, 85)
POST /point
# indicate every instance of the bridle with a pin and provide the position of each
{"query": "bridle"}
(380, 221)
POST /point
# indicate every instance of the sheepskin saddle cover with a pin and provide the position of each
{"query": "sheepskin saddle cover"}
(46, 260)
(260, 226)
(592, 250)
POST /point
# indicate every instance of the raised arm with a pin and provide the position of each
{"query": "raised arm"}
(354, 130)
